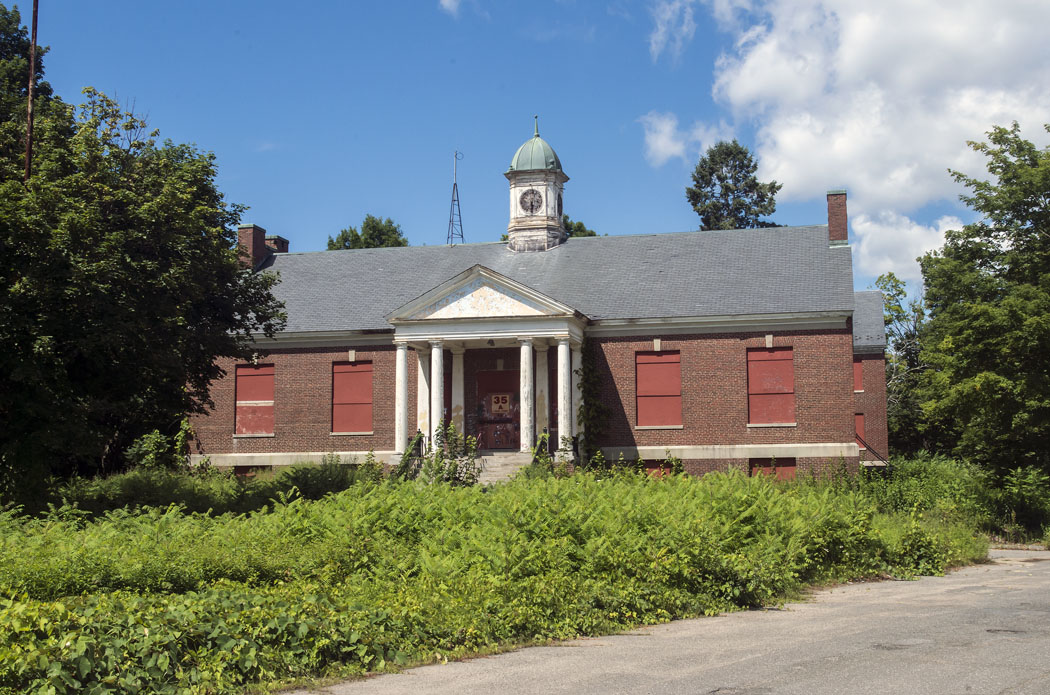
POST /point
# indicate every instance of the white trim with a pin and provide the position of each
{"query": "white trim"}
(350, 434)
(325, 338)
(736, 451)
(772, 424)
(253, 436)
(549, 305)
(858, 390)
(679, 325)
(659, 427)
(514, 328)
(254, 403)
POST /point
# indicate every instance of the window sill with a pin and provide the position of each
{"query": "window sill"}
(772, 424)
(252, 436)
(659, 427)
(351, 434)
(858, 390)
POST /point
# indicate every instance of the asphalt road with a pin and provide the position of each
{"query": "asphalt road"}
(983, 629)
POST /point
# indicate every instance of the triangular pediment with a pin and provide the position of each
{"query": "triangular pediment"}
(479, 293)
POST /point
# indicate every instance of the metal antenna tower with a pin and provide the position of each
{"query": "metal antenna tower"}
(455, 220)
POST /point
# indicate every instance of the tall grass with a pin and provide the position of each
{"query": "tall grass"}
(204, 490)
(383, 573)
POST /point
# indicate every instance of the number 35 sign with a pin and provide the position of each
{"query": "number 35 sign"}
(500, 403)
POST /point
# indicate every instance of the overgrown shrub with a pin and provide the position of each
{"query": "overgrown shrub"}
(1022, 502)
(165, 601)
(206, 490)
(935, 485)
(452, 459)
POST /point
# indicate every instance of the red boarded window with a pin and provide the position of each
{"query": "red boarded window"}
(858, 374)
(352, 397)
(658, 377)
(781, 468)
(254, 399)
(770, 386)
(858, 425)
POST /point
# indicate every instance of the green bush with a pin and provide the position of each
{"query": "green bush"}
(1023, 502)
(165, 601)
(935, 485)
(206, 490)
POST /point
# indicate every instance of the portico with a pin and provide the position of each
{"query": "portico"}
(480, 310)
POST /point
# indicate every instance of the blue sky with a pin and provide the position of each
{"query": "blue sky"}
(322, 112)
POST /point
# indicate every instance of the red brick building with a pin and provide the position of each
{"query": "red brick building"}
(741, 348)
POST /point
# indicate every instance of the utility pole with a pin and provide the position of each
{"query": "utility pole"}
(32, 83)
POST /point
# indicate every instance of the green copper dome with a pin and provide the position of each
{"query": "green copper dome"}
(535, 154)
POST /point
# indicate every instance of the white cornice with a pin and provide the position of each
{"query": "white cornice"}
(299, 339)
(547, 305)
(718, 324)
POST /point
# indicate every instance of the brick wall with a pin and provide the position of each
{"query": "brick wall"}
(872, 402)
(714, 396)
(303, 404)
(714, 389)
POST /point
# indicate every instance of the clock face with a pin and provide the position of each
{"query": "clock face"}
(531, 201)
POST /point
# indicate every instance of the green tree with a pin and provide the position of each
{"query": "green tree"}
(904, 320)
(375, 233)
(725, 191)
(14, 67)
(576, 229)
(121, 284)
(986, 395)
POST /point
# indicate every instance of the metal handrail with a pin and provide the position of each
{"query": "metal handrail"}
(875, 453)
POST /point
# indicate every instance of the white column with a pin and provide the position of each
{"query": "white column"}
(528, 404)
(423, 391)
(564, 391)
(577, 391)
(437, 389)
(457, 388)
(401, 398)
(543, 398)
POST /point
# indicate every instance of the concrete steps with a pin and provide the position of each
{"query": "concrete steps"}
(497, 466)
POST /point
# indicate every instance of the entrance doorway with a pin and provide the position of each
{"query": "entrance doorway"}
(499, 408)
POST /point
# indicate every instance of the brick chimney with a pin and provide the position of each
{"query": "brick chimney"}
(277, 243)
(251, 238)
(838, 228)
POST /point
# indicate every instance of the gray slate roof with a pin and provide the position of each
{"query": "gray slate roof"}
(869, 328)
(716, 273)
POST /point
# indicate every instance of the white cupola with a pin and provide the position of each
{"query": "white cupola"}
(536, 181)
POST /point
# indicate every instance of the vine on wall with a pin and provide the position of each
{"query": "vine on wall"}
(592, 413)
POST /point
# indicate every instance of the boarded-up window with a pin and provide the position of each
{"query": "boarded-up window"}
(858, 374)
(352, 397)
(770, 386)
(858, 424)
(254, 398)
(780, 468)
(659, 388)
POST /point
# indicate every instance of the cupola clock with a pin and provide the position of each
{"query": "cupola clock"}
(536, 183)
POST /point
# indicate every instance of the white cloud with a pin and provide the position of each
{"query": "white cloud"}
(879, 98)
(665, 141)
(450, 6)
(673, 28)
(889, 241)
(882, 97)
